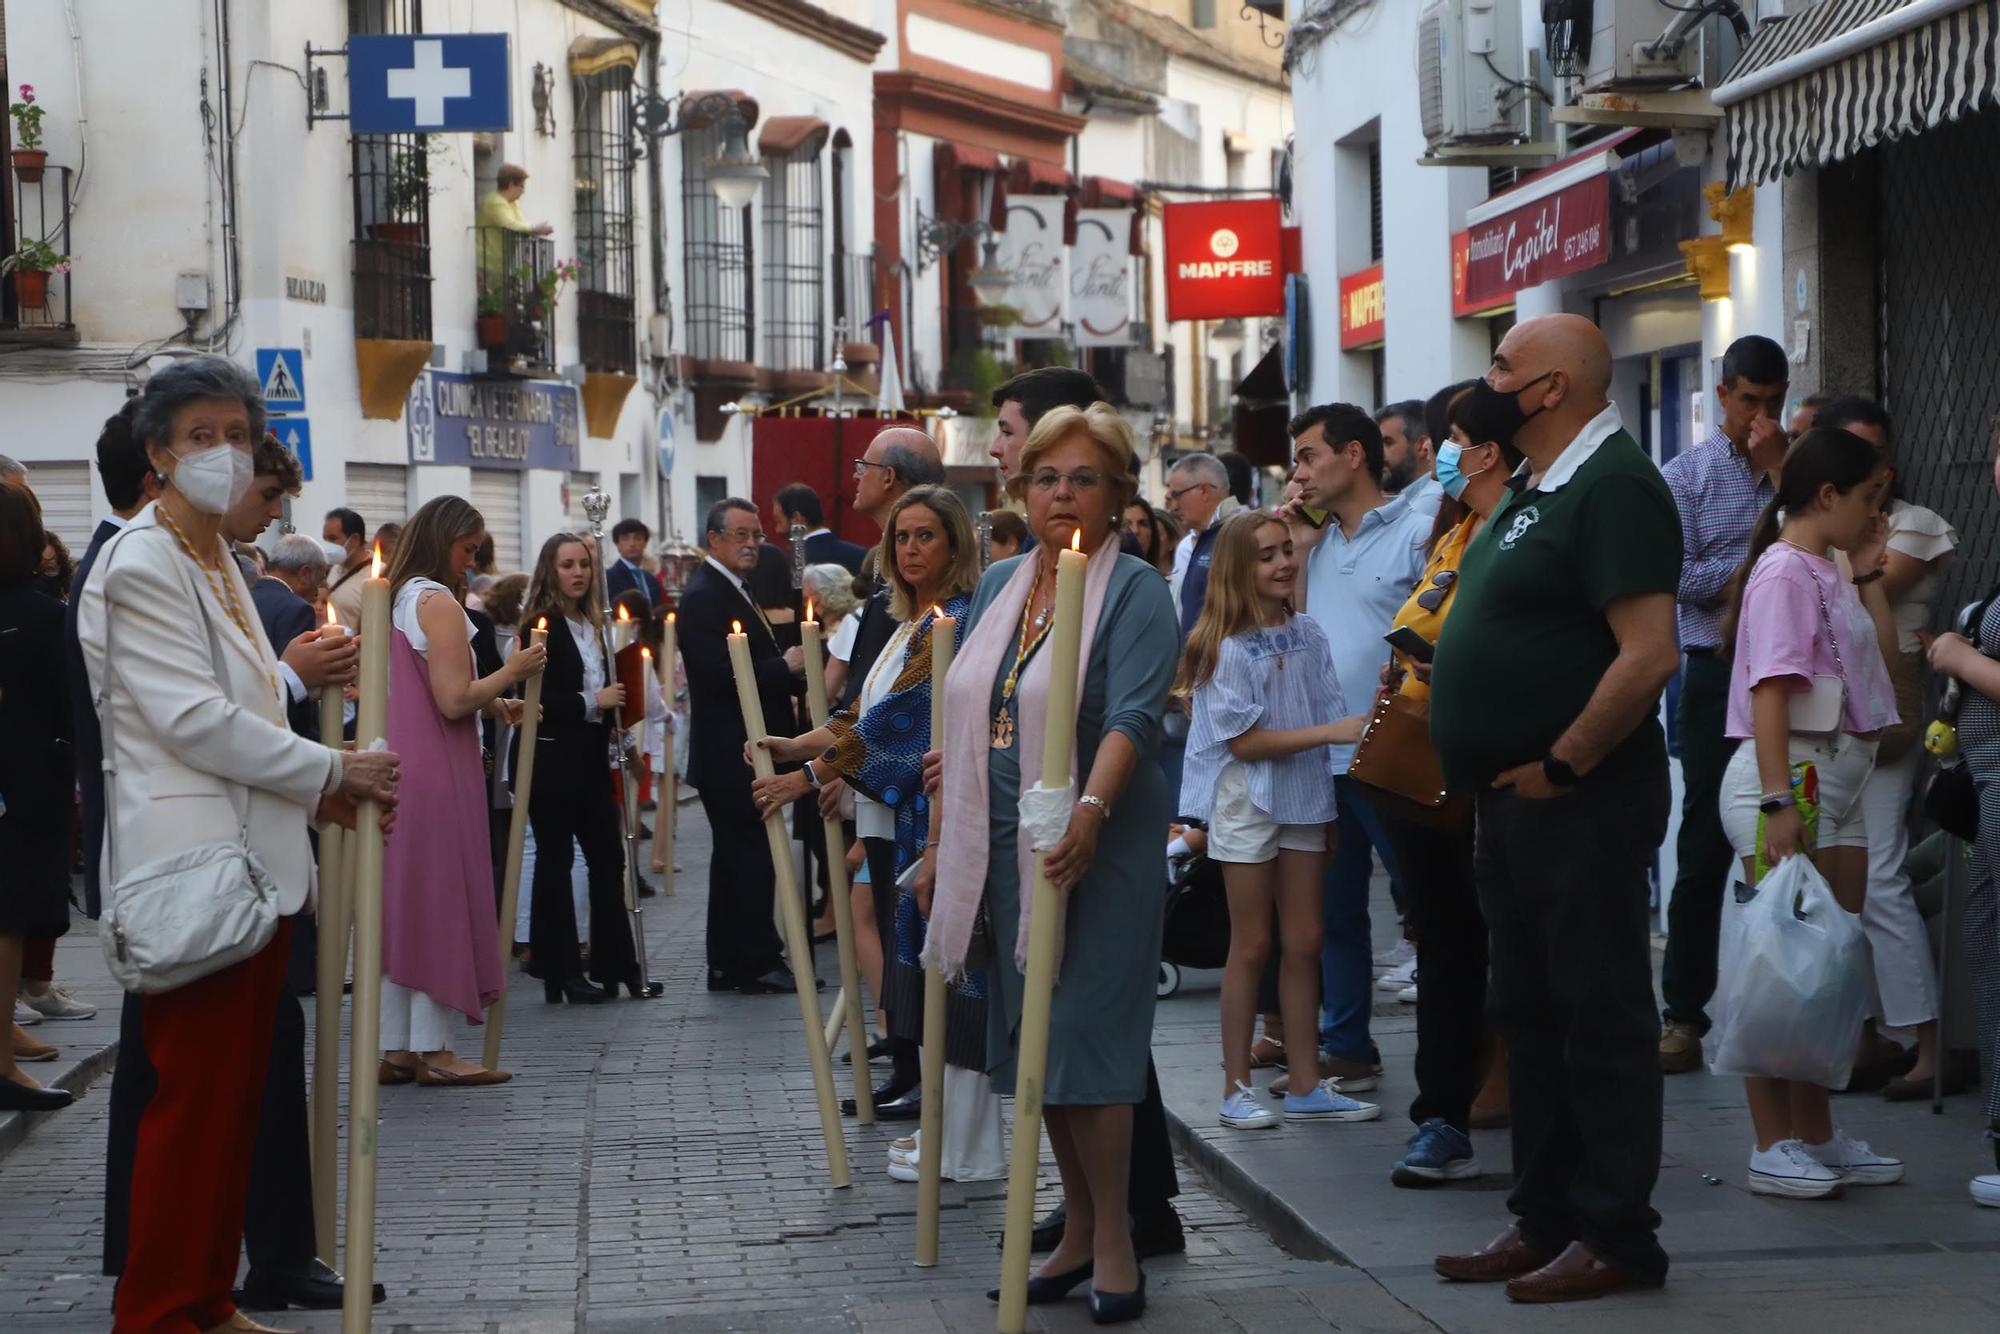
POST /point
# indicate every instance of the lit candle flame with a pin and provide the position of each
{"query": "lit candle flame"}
(936, 611)
(542, 624)
(645, 654)
(375, 571)
(736, 627)
(1076, 540)
(332, 616)
(672, 617)
(623, 614)
(809, 609)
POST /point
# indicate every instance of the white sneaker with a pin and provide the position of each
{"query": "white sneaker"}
(902, 1171)
(55, 1003)
(904, 1150)
(1857, 1164)
(1788, 1169)
(1397, 955)
(24, 1016)
(1402, 975)
(1986, 1191)
(1408, 995)
(1242, 1111)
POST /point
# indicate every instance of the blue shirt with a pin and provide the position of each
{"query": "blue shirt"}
(1426, 495)
(1278, 679)
(1719, 500)
(1354, 588)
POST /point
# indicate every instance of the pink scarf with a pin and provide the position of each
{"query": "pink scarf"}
(968, 721)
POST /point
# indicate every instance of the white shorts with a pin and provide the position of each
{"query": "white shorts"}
(1841, 765)
(1239, 832)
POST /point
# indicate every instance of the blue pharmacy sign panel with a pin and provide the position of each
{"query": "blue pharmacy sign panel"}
(413, 84)
(281, 372)
(470, 421)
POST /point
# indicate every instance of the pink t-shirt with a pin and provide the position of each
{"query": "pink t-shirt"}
(1782, 634)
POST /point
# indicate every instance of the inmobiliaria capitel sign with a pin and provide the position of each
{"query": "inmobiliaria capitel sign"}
(1563, 233)
(1224, 259)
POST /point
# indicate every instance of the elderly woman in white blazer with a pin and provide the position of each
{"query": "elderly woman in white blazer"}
(188, 691)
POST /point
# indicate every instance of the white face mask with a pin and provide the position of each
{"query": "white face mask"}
(213, 479)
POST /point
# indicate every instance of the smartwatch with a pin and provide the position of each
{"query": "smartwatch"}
(811, 777)
(1558, 772)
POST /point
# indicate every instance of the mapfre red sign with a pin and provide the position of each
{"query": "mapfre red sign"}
(1563, 233)
(1224, 260)
(1363, 309)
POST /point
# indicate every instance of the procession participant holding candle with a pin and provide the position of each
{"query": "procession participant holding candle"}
(572, 804)
(877, 744)
(1111, 861)
(440, 938)
(198, 752)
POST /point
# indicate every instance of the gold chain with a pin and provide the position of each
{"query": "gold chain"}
(1023, 648)
(223, 588)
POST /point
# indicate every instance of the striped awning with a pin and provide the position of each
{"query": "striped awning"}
(1845, 75)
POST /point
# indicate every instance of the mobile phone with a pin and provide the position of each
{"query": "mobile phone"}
(1317, 518)
(1405, 640)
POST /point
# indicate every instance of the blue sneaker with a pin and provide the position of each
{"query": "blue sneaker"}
(1325, 1103)
(1242, 1111)
(1437, 1153)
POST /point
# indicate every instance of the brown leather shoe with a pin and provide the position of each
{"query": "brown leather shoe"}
(1507, 1256)
(1574, 1276)
(1680, 1048)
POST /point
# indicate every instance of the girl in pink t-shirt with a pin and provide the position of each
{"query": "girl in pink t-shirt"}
(1809, 691)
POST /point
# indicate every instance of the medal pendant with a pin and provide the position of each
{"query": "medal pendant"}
(1003, 729)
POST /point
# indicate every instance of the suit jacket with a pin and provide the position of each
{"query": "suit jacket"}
(89, 742)
(621, 578)
(825, 548)
(37, 761)
(286, 616)
(570, 747)
(715, 740)
(877, 628)
(182, 732)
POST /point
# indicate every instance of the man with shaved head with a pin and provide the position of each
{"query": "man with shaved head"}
(1544, 703)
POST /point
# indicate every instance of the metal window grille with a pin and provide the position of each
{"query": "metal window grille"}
(717, 249)
(794, 291)
(606, 309)
(1375, 204)
(41, 212)
(516, 278)
(839, 166)
(392, 206)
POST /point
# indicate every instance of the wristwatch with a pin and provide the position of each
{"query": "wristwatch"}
(811, 777)
(1558, 772)
(1776, 801)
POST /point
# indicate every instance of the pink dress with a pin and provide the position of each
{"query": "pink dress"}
(440, 928)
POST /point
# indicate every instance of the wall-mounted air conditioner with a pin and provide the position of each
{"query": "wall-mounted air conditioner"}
(1612, 45)
(1471, 72)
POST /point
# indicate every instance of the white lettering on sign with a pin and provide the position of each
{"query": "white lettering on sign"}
(1231, 268)
(1365, 305)
(1540, 242)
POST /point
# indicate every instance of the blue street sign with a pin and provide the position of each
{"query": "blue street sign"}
(282, 373)
(424, 84)
(295, 434)
(475, 422)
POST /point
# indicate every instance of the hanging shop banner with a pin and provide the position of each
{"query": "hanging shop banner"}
(1564, 233)
(1363, 315)
(1100, 277)
(1461, 304)
(1224, 259)
(477, 422)
(1032, 247)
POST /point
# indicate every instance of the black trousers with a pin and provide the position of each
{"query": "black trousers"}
(1701, 851)
(1563, 884)
(278, 1221)
(564, 815)
(742, 939)
(1443, 900)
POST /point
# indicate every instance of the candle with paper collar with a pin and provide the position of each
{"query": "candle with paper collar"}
(371, 719)
(797, 944)
(622, 631)
(1058, 740)
(930, 1114)
(331, 915)
(517, 838)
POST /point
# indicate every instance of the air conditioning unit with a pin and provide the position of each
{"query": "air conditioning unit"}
(1471, 72)
(1611, 45)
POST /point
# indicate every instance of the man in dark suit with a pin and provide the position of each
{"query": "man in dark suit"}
(744, 951)
(295, 571)
(628, 573)
(797, 505)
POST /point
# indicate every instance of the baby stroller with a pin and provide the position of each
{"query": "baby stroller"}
(1197, 927)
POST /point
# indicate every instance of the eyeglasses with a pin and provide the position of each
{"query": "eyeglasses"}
(1173, 495)
(1083, 479)
(743, 535)
(860, 464)
(1433, 597)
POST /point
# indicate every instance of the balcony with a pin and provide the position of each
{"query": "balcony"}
(35, 305)
(518, 284)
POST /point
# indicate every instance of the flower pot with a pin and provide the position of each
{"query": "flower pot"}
(28, 164)
(31, 288)
(492, 330)
(404, 237)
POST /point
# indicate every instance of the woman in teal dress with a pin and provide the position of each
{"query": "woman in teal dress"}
(1110, 862)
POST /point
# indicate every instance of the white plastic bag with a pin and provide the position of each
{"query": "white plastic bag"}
(1794, 977)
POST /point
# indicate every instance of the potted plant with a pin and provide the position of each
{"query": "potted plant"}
(29, 157)
(548, 287)
(407, 190)
(492, 321)
(31, 266)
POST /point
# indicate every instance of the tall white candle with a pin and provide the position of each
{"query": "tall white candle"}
(517, 840)
(930, 1113)
(332, 922)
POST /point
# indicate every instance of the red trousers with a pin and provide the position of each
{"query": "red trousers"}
(38, 960)
(209, 1042)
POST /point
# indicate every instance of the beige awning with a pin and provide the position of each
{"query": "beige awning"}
(594, 55)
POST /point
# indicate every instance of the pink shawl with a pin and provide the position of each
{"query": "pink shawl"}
(968, 719)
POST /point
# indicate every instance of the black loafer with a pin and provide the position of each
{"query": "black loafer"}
(20, 1098)
(1115, 1308)
(909, 1107)
(1055, 1287)
(888, 1091)
(776, 982)
(310, 1287)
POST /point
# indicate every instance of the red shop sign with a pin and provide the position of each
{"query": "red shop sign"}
(1566, 232)
(1224, 260)
(1461, 305)
(1362, 312)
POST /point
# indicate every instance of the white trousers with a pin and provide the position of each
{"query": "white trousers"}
(579, 890)
(1905, 973)
(975, 1145)
(412, 1021)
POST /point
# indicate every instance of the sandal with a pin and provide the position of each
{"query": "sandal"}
(438, 1077)
(1266, 1054)
(392, 1072)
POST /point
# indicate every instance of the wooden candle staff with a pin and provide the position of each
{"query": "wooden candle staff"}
(667, 807)
(364, 1089)
(849, 1000)
(793, 913)
(517, 839)
(1058, 740)
(930, 1115)
(331, 918)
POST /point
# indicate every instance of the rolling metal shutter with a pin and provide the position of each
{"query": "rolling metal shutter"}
(379, 493)
(64, 492)
(496, 494)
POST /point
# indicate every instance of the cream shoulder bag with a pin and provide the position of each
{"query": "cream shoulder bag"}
(1822, 710)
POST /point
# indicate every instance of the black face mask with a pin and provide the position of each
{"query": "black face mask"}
(1498, 411)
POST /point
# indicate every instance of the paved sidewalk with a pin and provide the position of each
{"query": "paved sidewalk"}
(1918, 1255)
(85, 1046)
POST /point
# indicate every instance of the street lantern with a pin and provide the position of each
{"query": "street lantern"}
(736, 174)
(989, 282)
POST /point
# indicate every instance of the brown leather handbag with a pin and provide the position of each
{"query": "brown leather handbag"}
(1399, 767)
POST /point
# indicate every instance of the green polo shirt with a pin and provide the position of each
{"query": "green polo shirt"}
(1527, 640)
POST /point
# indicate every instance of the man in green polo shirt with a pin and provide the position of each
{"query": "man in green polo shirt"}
(1566, 603)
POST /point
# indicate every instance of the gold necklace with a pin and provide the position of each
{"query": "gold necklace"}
(1003, 722)
(223, 588)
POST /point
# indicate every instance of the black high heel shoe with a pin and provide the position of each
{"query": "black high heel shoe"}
(649, 991)
(575, 990)
(1055, 1287)
(1115, 1308)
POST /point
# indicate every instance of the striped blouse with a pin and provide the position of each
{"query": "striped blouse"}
(1278, 679)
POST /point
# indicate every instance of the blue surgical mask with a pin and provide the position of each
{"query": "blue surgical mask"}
(1449, 477)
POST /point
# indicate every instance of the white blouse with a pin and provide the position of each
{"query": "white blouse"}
(587, 648)
(1923, 535)
(403, 615)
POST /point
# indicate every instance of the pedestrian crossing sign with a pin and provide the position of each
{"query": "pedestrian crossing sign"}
(281, 372)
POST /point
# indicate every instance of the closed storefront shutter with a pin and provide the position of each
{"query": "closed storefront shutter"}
(496, 494)
(379, 493)
(64, 491)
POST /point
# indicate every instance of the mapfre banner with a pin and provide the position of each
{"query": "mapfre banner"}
(1224, 260)
(1032, 247)
(1100, 277)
